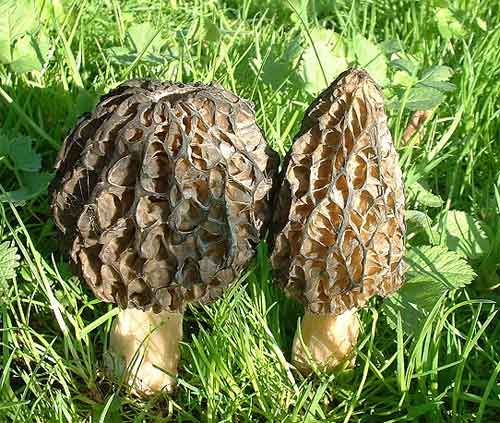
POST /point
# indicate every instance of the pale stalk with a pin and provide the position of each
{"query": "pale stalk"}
(325, 339)
(144, 349)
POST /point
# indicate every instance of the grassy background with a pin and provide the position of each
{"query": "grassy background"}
(234, 359)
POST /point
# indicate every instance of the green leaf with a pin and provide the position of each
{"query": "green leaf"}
(28, 54)
(141, 39)
(405, 65)
(19, 149)
(465, 236)
(437, 265)
(427, 409)
(209, 31)
(309, 10)
(331, 51)
(42, 45)
(274, 73)
(404, 79)
(437, 73)
(423, 98)
(411, 315)
(51, 9)
(423, 221)
(23, 155)
(140, 35)
(433, 271)
(280, 67)
(9, 260)
(441, 86)
(121, 55)
(426, 93)
(448, 25)
(391, 46)
(371, 57)
(33, 184)
(423, 196)
(300, 7)
(16, 19)
(85, 102)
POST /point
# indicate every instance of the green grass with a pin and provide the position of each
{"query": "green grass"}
(235, 355)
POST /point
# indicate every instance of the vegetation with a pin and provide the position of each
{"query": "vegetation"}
(430, 353)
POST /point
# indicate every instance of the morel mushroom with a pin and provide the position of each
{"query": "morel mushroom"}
(161, 195)
(338, 228)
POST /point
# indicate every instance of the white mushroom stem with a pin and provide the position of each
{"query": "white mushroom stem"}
(325, 339)
(144, 349)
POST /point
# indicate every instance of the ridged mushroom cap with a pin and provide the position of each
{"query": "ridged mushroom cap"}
(338, 228)
(161, 193)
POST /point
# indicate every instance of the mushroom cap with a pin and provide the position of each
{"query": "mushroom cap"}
(161, 193)
(338, 227)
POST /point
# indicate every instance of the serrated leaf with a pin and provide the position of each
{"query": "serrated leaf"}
(29, 54)
(442, 86)
(393, 103)
(411, 316)
(423, 98)
(141, 39)
(19, 150)
(423, 221)
(33, 184)
(405, 65)
(273, 73)
(432, 272)
(85, 101)
(370, 56)
(21, 153)
(24, 57)
(16, 19)
(437, 264)
(465, 236)
(391, 46)
(437, 73)
(404, 79)
(276, 69)
(9, 260)
(142, 35)
(448, 25)
(331, 51)
(121, 55)
(423, 196)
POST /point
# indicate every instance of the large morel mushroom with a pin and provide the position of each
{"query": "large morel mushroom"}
(161, 195)
(338, 228)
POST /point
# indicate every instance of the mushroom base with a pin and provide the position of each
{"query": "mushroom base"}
(144, 350)
(327, 340)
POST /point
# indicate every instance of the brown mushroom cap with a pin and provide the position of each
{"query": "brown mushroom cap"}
(161, 193)
(338, 228)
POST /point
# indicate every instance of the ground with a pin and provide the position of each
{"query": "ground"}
(430, 354)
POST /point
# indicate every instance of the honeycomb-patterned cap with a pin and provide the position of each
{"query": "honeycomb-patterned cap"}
(161, 193)
(338, 228)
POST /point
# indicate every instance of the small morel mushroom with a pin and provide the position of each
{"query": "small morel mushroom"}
(338, 228)
(161, 195)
